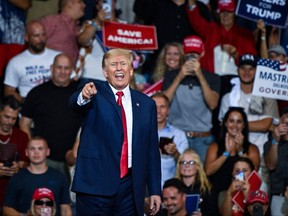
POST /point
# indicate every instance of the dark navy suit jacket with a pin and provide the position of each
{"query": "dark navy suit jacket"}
(98, 161)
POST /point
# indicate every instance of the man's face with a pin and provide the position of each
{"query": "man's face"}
(36, 38)
(61, 71)
(8, 118)
(173, 200)
(226, 18)
(118, 71)
(277, 57)
(77, 6)
(162, 109)
(246, 74)
(37, 151)
(257, 208)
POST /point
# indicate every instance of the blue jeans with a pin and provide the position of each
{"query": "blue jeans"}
(200, 145)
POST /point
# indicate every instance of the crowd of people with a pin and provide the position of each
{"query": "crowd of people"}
(79, 137)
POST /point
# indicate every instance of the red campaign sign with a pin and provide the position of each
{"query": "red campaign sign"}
(128, 36)
(156, 87)
(255, 181)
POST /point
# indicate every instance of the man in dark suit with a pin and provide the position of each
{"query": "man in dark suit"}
(107, 180)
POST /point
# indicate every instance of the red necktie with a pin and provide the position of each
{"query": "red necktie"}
(124, 154)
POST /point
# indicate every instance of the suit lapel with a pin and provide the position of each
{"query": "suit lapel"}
(136, 109)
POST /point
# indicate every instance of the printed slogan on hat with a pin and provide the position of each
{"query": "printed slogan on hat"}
(136, 37)
(273, 12)
(271, 80)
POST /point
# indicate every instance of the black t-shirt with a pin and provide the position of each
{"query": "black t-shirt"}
(48, 106)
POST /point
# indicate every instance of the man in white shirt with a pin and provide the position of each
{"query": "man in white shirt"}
(31, 67)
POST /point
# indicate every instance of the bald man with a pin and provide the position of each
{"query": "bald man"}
(47, 106)
(31, 67)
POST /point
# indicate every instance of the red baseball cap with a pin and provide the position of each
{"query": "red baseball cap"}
(226, 5)
(257, 196)
(40, 193)
(193, 44)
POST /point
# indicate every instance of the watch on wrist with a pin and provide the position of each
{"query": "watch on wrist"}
(97, 27)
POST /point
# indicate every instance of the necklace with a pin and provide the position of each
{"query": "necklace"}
(7, 140)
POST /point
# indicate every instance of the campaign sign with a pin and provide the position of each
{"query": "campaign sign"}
(273, 12)
(271, 80)
(156, 87)
(136, 37)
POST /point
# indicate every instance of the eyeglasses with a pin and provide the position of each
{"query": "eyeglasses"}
(41, 202)
(191, 162)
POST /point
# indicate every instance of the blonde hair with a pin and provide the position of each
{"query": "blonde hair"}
(200, 176)
(116, 52)
(33, 213)
(161, 66)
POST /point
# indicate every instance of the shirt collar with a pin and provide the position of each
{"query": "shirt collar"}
(126, 91)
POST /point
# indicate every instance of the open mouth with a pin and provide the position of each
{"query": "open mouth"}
(119, 75)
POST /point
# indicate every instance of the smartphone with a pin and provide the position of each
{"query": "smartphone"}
(189, 57)
(46, 211)
(163, 142)
(8, 163)
(107, 7)
(192, 203)
(240, 176)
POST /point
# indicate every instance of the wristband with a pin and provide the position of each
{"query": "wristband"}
(226, 154)
(263, 38)
(274, 142)
(94, 24)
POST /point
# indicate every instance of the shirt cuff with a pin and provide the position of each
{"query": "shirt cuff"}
(81, 101)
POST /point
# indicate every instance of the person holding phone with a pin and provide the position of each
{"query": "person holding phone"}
(193, 94)
(172, 140)
(242, 169)
(191, 172)
(13, 143)
(231, 144)
(43, 203)
(90, 38)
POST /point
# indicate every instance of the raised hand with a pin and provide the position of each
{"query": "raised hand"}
(89, 90)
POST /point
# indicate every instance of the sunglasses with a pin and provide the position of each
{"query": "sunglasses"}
(191, 162)
(41, 202)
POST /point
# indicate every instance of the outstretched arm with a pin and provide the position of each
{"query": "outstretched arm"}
(23, 4)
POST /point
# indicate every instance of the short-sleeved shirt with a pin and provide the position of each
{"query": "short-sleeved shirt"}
(27, 70)
(188, 110)
(62, 32)
(20, 139)
(48, 106)
(22, 185)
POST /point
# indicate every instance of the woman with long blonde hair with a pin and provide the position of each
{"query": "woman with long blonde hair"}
(190, 170)
(171, 57)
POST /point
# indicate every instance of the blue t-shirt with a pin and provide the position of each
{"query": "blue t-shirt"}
(22, 185)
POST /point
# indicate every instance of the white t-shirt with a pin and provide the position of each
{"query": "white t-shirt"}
(27, 70)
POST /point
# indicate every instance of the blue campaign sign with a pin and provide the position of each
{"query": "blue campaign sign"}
(273, 12)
